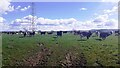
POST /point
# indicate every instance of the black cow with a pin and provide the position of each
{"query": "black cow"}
(24, 33)
(27, 33)
(85, 34)
(31, 33)
(64, 31)
(43, 33)
(4, 32)
(59, 33)
(104, 35)
(97, 33)
(20, 32)
(76, 32)
(51, 32)
(11, 32)
(117, 33)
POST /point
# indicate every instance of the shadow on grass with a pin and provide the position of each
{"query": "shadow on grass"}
(53, 40)
(82, 40)
(21, 37)
(99, 39)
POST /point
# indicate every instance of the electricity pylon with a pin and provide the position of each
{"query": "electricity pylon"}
(33, 15)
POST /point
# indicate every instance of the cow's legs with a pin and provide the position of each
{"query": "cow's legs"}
(81, 37)
(104, 38)
(87, 37)
(24, 35)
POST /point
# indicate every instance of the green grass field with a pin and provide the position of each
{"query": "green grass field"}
(16, 50)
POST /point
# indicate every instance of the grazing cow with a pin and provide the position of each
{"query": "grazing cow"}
(24, 34)
(117, 33)
(85, 34)
(11, 33)
(103, 35)
(20, 32)
(51, 32)
(43, 33)
(64, 31)
(59, 33)
(17, 33)
(97, 33)
(76, 32)
(31, 33)
(4, 32)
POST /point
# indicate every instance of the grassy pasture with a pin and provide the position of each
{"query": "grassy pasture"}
(16, 49)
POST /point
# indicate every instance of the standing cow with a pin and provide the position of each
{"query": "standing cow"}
(59, 33)
(50, 32)
(43, 33)
(104, 35)
(27, 33)
(85, 34)
(117, 32)
(24, 33)
(76, 32)
(64, 31)
(31, 33)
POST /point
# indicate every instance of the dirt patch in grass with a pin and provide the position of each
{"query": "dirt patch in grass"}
(73, 59)
(38, 59)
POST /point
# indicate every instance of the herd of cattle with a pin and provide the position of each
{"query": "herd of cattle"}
(100, 33)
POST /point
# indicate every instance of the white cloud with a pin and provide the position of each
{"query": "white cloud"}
(83, 9)
(106, 20)
(25, 8)
(5, 13)
(47, 24)
(2, 19)
(101, 18)
(101, 21)
(4, 6)
(22, 23)
(95, 14)
(10, 8)
(56, 21)
(110, 0)
(112, 23)
(18, 7)
(112, 11)
(3, 25)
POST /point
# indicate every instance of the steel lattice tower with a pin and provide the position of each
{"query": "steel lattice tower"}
(33, 15)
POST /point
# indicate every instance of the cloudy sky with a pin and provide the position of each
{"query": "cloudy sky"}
(58, 15)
